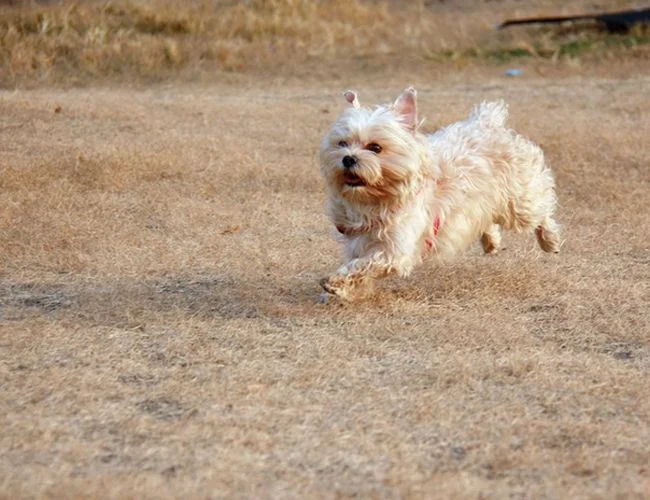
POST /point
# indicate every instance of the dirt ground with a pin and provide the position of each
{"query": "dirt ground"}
(160, 336)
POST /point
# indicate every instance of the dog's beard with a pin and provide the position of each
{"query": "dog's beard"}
(371, 180)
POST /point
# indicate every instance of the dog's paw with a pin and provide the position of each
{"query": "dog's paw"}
(490, 250)
(346, 288)
(336, 285)
(332, 284)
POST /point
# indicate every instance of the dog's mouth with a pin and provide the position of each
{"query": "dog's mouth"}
(353, 180)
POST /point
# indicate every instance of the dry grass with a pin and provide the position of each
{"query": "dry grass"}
(77, 42)
(159, 256)
(160, 336)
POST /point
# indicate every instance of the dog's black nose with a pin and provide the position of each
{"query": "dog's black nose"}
(349, 161)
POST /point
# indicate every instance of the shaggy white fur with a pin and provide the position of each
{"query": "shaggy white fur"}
(397, 196)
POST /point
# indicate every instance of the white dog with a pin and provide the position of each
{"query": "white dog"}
(397, 195)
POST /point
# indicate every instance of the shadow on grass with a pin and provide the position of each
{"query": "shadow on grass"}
(450, 293)
(128, 302)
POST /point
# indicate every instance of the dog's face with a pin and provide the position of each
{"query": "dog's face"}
(373, 155)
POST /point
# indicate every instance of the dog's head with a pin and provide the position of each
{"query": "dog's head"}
(374, 155)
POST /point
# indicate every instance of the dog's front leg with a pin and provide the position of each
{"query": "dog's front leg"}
(355, 278)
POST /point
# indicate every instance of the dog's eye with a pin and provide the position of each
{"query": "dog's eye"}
(343, 144)
(374, 147)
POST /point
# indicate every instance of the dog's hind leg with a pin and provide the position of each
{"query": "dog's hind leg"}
(548, 235)
(491, 239)
(543, 207)
(535, 206)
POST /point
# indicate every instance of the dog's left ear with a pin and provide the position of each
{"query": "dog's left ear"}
(352, 98)
(406, 107)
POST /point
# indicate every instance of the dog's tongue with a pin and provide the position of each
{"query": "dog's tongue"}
(353, 180)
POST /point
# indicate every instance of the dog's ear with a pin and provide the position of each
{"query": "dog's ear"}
(351, 97)
(406, 107)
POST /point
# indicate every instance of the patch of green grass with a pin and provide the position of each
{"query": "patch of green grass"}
(627, 41)
(575, 48)
(507, 54)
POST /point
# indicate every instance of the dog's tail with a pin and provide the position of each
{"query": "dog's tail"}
(491, 114)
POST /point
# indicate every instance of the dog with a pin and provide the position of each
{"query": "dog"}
(397, 196)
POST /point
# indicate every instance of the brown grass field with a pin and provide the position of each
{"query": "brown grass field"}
(162, 235)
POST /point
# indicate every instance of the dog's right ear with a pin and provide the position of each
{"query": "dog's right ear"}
(406, 106)
(351, 97)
